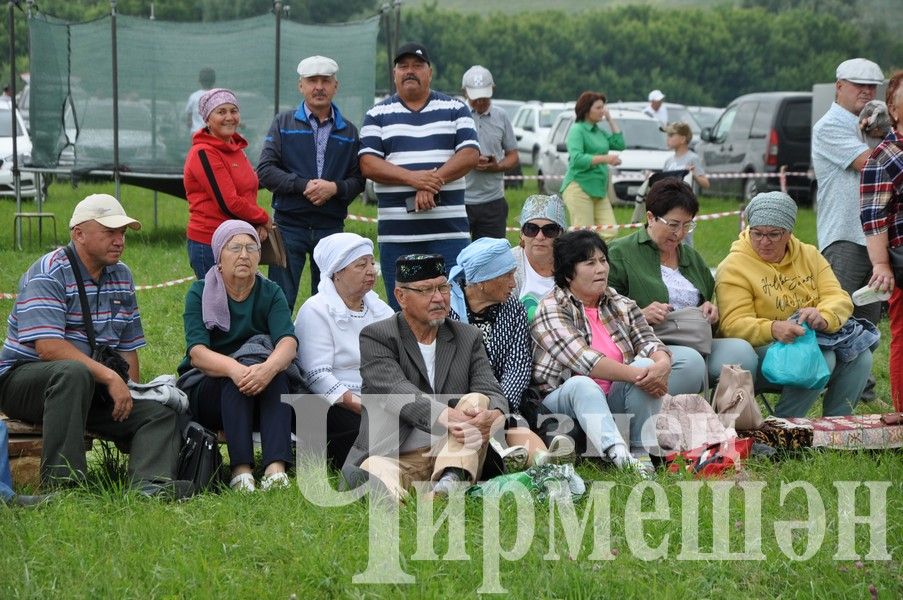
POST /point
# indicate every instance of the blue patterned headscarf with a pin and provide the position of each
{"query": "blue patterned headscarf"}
(482, 260)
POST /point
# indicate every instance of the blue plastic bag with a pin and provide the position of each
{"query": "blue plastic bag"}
(799, 364)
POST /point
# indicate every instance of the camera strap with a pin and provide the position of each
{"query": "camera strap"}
(87, 315)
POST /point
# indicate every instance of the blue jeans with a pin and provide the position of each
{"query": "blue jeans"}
(389, 253)
(200, 257)
(843, 391)
(582, 399)
(6, 477)
(299, 244)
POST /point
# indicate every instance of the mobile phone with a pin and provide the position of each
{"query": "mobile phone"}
(410, 203)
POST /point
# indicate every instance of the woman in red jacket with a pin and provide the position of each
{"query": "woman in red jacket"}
(220, 183)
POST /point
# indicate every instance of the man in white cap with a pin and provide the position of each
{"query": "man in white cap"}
(47, 371)
(656, 107)
(309, 162)
(838, 155)
(484, 198)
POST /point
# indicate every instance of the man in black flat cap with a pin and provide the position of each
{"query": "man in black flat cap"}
(428, 377)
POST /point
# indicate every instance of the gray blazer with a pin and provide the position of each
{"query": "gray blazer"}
(391, 364)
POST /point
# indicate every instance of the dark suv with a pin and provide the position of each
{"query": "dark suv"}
(759, 133)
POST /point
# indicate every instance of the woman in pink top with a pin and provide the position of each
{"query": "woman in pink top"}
(596, 356)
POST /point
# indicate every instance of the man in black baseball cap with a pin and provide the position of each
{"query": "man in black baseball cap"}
(414, 49)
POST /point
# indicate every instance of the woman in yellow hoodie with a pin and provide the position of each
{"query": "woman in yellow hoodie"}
(768, 277)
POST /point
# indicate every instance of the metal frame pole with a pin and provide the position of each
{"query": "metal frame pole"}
(154, 119)
(115, 58)
(277, 7)
(11, 26)
(387, 28)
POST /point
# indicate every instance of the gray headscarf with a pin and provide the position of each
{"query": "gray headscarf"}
(215, 300)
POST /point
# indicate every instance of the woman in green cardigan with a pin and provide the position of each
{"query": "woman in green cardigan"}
(585, 186)
(661, 274)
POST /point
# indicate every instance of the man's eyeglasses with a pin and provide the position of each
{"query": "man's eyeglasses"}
(676, 226)
(550, 230)
(252, 248)
(442, 288)
(773, 236)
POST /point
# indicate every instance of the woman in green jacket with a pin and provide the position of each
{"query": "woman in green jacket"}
(585, 186)
(659, 273)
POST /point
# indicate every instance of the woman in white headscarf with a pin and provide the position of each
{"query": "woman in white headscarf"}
(329, 324)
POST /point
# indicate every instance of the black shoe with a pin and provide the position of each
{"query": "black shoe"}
(177, 489)
(760, 450)
(29, 501)
(868, 394)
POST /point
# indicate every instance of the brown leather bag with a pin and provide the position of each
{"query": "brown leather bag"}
(272, 250)
(735, 401)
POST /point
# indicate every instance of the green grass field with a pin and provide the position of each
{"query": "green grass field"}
(101, 542)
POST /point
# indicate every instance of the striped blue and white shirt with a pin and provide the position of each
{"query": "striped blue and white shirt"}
(47, 307)
(419, 140)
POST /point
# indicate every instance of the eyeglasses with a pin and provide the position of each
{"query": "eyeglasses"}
(442, 288)
(251, 248)
(676, 226)
(773, 236)
(550, 230)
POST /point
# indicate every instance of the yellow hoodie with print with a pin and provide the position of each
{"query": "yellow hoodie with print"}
(752, 293)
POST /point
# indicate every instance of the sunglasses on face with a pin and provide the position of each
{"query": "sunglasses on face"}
(550, 230)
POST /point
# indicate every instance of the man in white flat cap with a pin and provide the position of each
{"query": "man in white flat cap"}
(309, 162)
(484, 197)
(838, 155)
(48, 373)
(656, 107)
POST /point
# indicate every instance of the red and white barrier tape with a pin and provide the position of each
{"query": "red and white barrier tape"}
(153, 286)
(174, 282)
(619, 178)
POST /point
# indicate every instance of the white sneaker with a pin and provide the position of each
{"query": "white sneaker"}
(514, 457)
(450, 479)
(274, 481)
(243, 482)
(621, 457)
(561, 451)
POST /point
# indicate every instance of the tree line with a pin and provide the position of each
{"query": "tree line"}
(696, 56)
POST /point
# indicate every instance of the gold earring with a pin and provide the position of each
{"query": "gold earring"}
(219, 268)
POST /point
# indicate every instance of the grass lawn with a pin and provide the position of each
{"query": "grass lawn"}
(99, 542)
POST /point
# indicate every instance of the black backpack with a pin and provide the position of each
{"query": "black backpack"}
(200, 461)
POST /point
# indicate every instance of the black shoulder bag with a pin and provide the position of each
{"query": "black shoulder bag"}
(102, 353)
(200, 461)
(272, 250)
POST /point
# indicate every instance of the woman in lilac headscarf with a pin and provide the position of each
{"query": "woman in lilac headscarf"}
(237, 391)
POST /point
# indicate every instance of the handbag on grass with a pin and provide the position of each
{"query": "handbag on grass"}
(686, 327)
(272, 249)
(735, 401)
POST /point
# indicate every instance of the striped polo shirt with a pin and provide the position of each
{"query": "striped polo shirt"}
(419, 140)
(47, 307)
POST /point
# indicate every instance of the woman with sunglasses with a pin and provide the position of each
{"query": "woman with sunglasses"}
(542, 219)
(770, 284)
(661, 274)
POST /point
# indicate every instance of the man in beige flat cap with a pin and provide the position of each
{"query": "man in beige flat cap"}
(309, 161)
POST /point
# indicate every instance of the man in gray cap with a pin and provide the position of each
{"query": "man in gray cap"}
(309, 162)
(484, 198)
(838, 155)
(48, 373)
